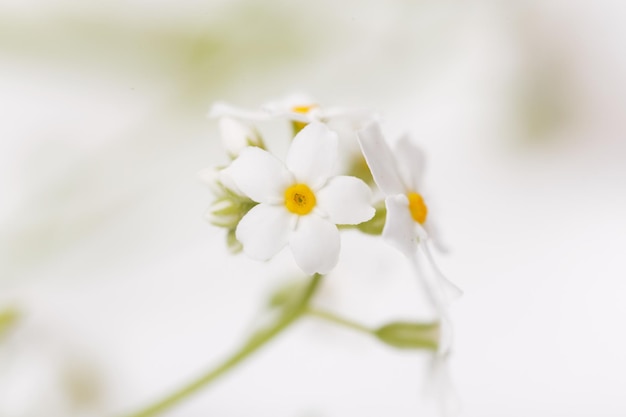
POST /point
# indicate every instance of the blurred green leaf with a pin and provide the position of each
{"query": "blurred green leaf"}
(8, 318)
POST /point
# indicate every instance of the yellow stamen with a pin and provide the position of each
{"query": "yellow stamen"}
(303, 109)
(299, 199)
(417, 207)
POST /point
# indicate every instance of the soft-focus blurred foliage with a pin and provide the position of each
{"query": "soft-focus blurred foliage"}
(123, 292)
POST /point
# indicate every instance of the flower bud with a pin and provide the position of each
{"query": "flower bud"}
(223, 213)
(405, 335)
(236, 136)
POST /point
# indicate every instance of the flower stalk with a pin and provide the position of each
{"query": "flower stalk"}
(256, 342)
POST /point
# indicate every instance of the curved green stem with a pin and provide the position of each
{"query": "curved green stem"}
(402, 335)
(328, 316)
(254, 343)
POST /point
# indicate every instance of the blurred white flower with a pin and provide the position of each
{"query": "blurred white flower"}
(299, 109)
(43, 371)
(398, 174)
(300, 202)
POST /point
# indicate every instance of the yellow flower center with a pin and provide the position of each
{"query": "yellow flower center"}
(417, 207)
(303, 109)
(299, 199)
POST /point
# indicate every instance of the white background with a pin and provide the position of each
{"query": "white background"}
(125, 290)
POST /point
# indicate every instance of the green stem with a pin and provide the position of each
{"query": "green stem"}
(254, 343)
(328, 316)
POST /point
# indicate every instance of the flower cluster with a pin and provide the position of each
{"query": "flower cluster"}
(268, 204)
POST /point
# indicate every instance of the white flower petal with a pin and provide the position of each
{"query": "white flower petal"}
(346, 200)
(295, 116)
(210, 177)
(220, 109)
(224, 176)
(354, 119)
(315, 244)
(313, 154)
(286, 106)
(434, 234)
(298, 117)
(287, 103)
(450, 291)
(260, 176)
(400, 228)
(264, 231)
(410, 161)
(380, 160)
(236, 136)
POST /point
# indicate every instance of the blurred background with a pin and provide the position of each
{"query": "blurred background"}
(114, 290)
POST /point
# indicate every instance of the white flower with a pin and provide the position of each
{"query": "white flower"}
(300, 202)
(398, 174)
(298, 108)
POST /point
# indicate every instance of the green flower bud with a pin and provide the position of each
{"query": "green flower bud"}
(227, 211)
(405, 335)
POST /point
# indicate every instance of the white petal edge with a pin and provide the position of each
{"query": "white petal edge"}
(400, 229)
(353, 119)
(346, 200)
(380, 159)
(260, 175)
(313, 154)
(410, 161)
(264, 231)
(315, 244)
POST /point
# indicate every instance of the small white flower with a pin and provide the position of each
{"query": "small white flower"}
(398, 174)
(298, 108)
(300, 202)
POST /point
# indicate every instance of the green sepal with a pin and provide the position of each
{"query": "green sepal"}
(375, 225)
(297, 126)
(234, 245)
(358, 168)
